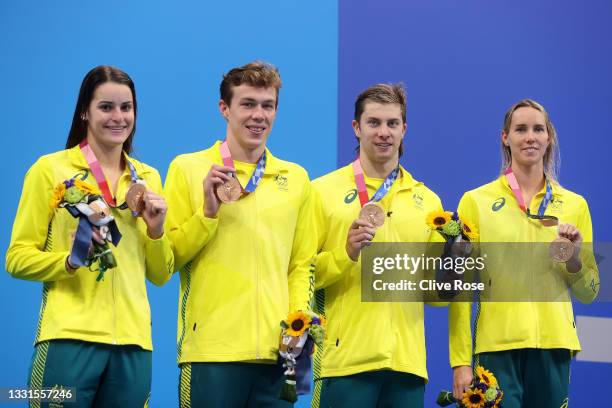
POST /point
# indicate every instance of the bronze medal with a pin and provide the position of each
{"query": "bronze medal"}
(373, 214)
(561, 249)
(229, 191)
(135, 197)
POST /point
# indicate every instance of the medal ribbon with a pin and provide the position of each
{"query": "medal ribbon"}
(361, 185)
(258, 173)
(96, 170)
(514, 185)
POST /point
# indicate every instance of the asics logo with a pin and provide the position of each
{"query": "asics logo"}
(350, 196)
(498, 204)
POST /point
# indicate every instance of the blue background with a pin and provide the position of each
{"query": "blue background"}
(463, 65)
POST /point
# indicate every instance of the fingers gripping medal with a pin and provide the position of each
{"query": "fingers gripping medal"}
(371, 211)
(231, 190)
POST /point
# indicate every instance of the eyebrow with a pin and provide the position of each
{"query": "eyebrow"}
(525, 124)
(255, 100)
(111, 102)
(383, 120)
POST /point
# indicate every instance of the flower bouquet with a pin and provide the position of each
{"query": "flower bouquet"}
(451, 227)
(299, 331)
(458, 234)
(483, 393)
(85, 202)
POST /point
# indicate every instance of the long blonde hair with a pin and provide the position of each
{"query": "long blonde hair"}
(552, 157)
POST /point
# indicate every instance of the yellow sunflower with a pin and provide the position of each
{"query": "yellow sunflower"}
(470, 230)
(438, 219)
(473, 398)
(298, 323)
(486, 376)
(86, 187)
(58, 195)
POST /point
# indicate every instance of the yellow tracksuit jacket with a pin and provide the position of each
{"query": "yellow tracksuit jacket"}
(242, 272)
(112, 311)
(367, 336)
(511, 325)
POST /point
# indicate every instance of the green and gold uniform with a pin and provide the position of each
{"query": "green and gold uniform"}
(76, 308)
(241, 273)
(365, 338)
(510, 334)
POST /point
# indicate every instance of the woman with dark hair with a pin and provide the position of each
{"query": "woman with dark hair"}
(525, 333)
(90, 227)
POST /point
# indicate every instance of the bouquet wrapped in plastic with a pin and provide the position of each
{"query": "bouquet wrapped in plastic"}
(301, 331)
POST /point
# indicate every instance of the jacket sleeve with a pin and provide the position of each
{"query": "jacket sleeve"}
(300, 274)
(460, 313)
(159, 257)
(188, 229)
(460, 333)
(28, 256)
(329, 264)
(585, 282)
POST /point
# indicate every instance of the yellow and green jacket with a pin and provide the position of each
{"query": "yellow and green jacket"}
(244, 271)
(512, 325)
(367, 336)
(114, 310)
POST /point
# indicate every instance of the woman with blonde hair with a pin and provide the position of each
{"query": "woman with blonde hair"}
(526, 342)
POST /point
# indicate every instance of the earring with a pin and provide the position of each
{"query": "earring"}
(83, 118)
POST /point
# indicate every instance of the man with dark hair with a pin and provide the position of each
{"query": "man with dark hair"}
(241, 227)
(374, 354)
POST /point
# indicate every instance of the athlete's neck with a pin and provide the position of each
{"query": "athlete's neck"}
(530, 179)
(377, 169)
(243, 153)
(109, 157)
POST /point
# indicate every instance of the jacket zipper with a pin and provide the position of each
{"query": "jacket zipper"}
(255, 244)
(114, 308)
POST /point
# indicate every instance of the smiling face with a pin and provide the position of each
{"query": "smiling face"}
(110, 116)
(527, 137)
(380, 131)
(250, 115)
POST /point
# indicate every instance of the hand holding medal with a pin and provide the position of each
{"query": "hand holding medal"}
(154, 209)
(148, 205)
(567, 245)
(371, 216)
(562, 249)
(215, 190)
(360, 234)
(222, 186)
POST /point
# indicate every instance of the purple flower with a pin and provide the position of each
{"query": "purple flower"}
(481, 386)
(69, 183)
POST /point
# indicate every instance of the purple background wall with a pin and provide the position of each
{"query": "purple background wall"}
(464, 64)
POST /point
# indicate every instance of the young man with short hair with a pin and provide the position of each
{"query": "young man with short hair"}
(374, 354)
(240, 221)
